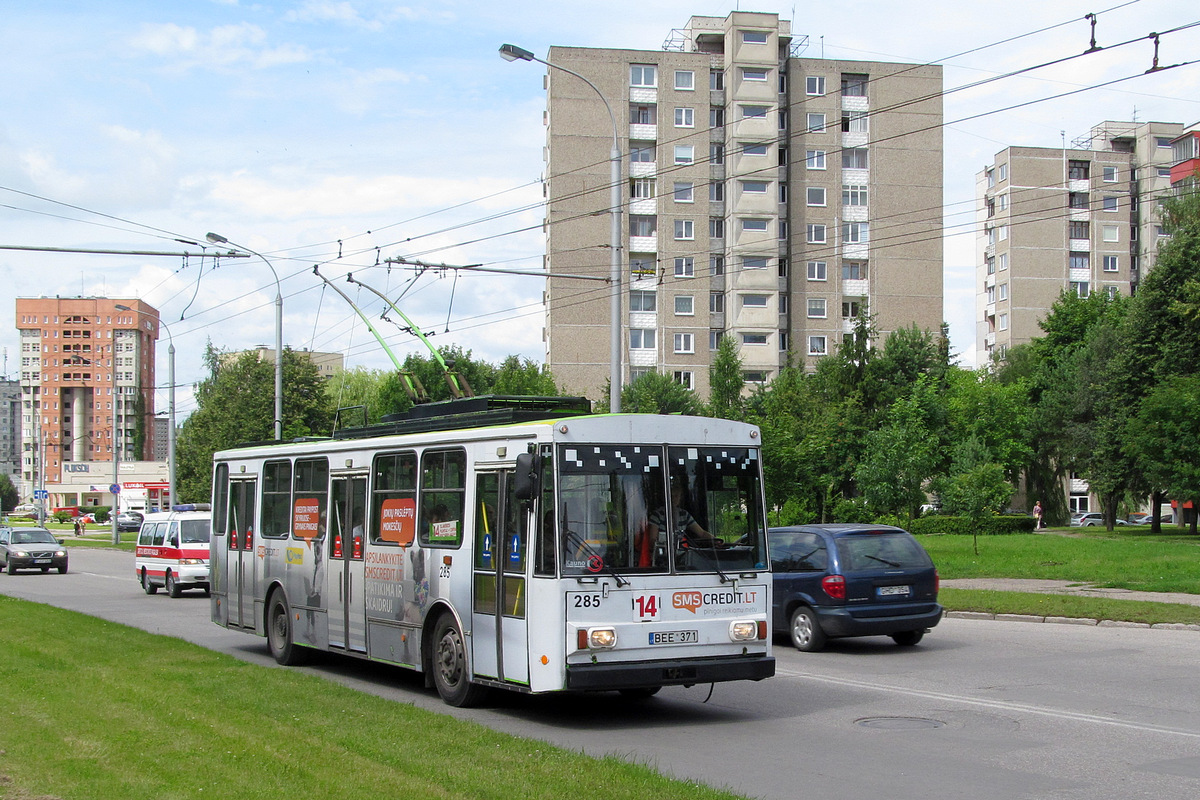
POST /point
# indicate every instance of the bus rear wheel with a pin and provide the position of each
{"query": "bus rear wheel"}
(450, 666)
(279, 633)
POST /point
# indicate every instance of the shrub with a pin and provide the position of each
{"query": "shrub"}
(990, 526)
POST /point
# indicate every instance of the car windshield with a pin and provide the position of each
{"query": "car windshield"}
(195, 531)
(33, 537)
(881, 550)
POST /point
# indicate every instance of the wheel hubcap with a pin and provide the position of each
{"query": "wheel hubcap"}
(802, 629)
(450, 658)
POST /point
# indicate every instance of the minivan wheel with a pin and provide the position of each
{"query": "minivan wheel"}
(806, 632)
(173, 587)
(908, 638)
(147, 586)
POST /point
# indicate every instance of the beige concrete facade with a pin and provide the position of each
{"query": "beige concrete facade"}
(1078, 219)
(766, 196)
(328, 364)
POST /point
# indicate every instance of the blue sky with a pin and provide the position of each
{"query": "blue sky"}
(346, 133)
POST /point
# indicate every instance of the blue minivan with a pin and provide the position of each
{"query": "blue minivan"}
(834, 581)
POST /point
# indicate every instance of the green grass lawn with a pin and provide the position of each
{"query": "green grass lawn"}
(94, 709)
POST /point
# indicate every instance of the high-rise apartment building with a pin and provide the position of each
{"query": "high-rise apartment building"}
(10, 429)
(1053, 219)
(87, 373)
(768, 198)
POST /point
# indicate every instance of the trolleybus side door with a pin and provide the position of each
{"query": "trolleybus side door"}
(346, 545)
(500, 644)
(239, 543)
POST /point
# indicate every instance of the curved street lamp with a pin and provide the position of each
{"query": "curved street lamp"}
(217, 238)
(510, 52)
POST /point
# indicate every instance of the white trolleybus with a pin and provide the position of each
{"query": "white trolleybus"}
(505, 542)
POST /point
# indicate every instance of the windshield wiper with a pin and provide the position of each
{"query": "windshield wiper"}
(884, 561)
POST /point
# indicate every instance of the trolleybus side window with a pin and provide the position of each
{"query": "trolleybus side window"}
(721, 495)
(220, 499)
(606, 494)
(276, 499)
(544, 560)
(310, 506)
(443, 490)
(395, 499)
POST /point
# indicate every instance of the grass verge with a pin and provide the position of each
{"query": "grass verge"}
(100, 710)
(1057, 605)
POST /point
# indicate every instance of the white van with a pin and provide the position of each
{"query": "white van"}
(172, 550)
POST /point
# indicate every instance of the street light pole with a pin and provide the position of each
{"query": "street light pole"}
(510, 52)
(217, 238)
(170, 403)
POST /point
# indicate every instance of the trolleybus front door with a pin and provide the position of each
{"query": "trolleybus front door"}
(239, 563)
(345, 545)
(500, 645)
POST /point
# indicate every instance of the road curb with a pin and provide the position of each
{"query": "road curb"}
(1102, 623)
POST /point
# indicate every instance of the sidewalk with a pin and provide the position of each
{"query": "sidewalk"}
(1070, 588)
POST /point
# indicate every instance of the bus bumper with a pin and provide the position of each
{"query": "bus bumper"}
(593, 677)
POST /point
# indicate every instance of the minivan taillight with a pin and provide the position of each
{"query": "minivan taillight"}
(937, 582)
(834, 586)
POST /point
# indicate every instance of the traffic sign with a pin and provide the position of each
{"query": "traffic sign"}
(41, 494)
(114, 488)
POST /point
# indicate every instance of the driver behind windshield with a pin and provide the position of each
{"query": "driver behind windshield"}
(687, 531)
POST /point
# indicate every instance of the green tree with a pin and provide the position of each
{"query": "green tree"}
(1166, 437)
(236, 404)
(654, 393)
(901, 456)
(725, 382)
(976, 487)
(525, 378)
(8, 494)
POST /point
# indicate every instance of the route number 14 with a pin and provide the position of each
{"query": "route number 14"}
(647, 605)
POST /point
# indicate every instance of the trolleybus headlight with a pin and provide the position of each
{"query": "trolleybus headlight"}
(743, 630)
(601, 638)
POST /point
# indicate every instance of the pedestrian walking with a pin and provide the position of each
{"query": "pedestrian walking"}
(1037, 515)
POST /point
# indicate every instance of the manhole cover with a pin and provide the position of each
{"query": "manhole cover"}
(899, 723)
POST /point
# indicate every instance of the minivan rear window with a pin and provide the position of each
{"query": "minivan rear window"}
(881, 550)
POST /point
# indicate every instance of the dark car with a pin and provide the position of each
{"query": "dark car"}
(834, 581)
(129, 521)
(31, 548)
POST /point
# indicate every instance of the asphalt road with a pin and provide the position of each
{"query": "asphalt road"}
(981, 709)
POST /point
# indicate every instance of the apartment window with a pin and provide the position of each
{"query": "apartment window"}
(683, 192)
(1003, 170)
(754, 187)
(783, 155)
(716, 80)
(1078, 230)
(817, 270)
(1079, 261)
(991, 265)
(784, 341)
(1080, 289)
(814, 159)
(643, 301)
(642, 225)
(754, 149)
(754, 112)
(685, 154)
(716, 265)
(1002, 202)
(716, 302)
(854, 122)
(1002, 232)
(816, 346)
(854, 158)
(1162, 141)
(716, 228)
(754, 262)
(642, 266)
(1164, 172)
(754, 224)
(685, 118)
(1002, 260)
(816, 123)
(643, 114)
(815, 234)
(814, 85)
(1003, 291)
(1159, 230)
(685, 267)
(784, 303)
(754, 338)
(991, 177)
(1110, 202)
(685, 343)
(685, 305)
(854, 85)
(1078, 170)
(716, 191)
(850, 309)
(684, 378)
(754, 376)
(753, 74)
(990, 292)
(641, 338)
(645, 75)
(783, 84)
(754, 300)
(716, 154)
(854, 194)
(641, 153)
(855, 232)
(854, 270)
(816, 308)
(754, 37)
(815, 195)
(685, 81)
(641, 188)
(714, 339)
(716, 117)
(1110, 233)
(1078, 200)
(1109, 174)
(1002, 322)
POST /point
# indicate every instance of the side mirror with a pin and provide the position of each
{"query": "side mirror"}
(527, 476)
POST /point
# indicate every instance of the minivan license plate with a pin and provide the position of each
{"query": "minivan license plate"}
(891, 591)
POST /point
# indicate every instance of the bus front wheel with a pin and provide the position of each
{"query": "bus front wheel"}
(279, 633)
(450, 666)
